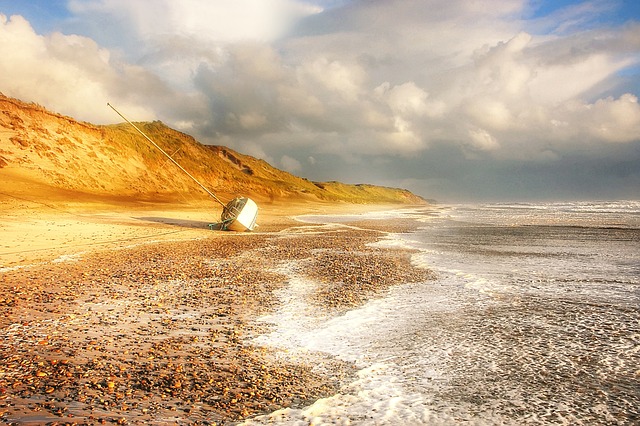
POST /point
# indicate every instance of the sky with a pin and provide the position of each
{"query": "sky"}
(455, 100)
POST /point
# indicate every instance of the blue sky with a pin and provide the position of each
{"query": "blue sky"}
(619, 12)
(46, 16)
(454, 100)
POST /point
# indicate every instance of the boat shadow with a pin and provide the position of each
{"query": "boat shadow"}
(183, 223)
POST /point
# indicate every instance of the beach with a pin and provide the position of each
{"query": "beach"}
(147, 315)
(328, 314)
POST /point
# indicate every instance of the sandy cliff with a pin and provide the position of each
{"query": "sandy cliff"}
(50, 157)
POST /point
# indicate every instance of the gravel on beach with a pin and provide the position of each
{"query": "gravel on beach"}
(159, 333)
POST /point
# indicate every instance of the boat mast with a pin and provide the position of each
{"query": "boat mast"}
(167, 155)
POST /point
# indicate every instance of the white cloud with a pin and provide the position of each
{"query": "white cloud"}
(397, 80)
(342, 79)
(68, 73)
(562, 82)
(290, 164)
(491, 113)
(405, 99)
(609, 119)
(206, 20)
(481, 140)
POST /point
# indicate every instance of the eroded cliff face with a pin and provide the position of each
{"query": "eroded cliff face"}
(48, 155)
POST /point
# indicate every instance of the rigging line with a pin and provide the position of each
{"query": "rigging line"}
(167, 155)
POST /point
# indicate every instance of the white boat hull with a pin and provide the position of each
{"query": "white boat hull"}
(240, 215)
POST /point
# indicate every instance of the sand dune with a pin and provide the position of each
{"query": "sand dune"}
(45, 157)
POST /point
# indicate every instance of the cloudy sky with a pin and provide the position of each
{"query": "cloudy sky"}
(457, 100)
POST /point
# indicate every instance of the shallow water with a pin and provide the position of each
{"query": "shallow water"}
(534, 318)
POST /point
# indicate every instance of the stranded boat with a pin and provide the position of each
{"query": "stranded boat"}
(239, 214)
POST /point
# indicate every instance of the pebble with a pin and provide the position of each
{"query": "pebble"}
(159, 331)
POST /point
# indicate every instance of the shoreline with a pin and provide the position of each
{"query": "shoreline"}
(158, 332)
(35, 232)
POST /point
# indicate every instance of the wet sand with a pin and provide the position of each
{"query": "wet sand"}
(154, 326)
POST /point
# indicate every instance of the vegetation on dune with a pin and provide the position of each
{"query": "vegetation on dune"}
(48, 149)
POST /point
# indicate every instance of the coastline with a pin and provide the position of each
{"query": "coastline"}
(34, 232)
(152, 326)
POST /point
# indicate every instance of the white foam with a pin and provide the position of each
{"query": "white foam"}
(373, 215)
(68, 258)
(396, 376)
(12, 268)
(486, 341)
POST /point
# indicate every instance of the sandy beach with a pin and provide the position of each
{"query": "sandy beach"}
(143, 314)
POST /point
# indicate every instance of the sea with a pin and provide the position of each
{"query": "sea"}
(533, 318)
